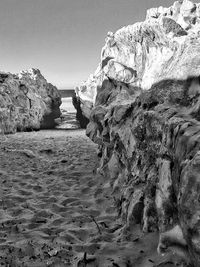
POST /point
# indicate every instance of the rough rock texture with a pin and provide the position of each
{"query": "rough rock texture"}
(143, 102)
(81, 118)
(27, 102)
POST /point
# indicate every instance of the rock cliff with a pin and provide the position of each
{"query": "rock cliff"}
(27, 102)
(143, 102)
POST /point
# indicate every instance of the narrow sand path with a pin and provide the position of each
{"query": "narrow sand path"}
(54, 208)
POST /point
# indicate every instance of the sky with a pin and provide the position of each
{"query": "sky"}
(63, 38)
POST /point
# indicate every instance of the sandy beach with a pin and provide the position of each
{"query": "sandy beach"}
(55, 210)
(128, 73)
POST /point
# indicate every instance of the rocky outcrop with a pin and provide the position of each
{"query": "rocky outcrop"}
(80, 114)
(27, 102)
(143, 102)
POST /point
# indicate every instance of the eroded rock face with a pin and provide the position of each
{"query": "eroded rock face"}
(27, 102)
(143, 102)
(80, 117)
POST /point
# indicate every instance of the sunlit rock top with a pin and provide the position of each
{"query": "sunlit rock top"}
(27, 102)
(165, 46)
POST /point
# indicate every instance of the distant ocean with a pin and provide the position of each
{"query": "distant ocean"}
(68, 111)
(67, 105)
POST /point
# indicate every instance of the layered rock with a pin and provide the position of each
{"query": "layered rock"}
(143, 102)
(27, 102)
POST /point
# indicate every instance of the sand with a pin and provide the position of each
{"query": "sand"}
(55, 210)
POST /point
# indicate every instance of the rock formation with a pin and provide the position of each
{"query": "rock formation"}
(80, 117)
(27, 102)
(143, 102)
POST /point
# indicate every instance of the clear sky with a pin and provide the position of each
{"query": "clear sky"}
(63, 38)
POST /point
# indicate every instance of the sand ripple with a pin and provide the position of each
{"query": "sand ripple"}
(54, 208)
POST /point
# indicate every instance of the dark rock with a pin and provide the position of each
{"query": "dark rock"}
(83, 120)
(172, 26)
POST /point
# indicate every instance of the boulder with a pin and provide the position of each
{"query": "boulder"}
(27, 102)
(143, 103)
